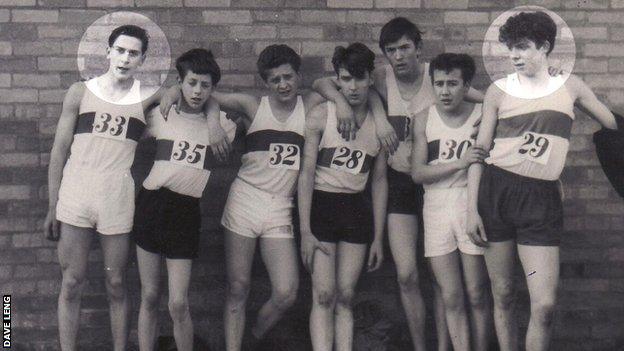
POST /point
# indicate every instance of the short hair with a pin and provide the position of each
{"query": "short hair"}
(356, 58)
(537, 27)
(199, 61)
(131, 31)
(448, 61)
(276, 55)
(397, 28)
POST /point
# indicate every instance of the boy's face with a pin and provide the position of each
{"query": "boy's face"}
(283, 82)
(196, 89)
(125, 56)
(449, 88)
(526, 58)
(403, 56)
(355, 90)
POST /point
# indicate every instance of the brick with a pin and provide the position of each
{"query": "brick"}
(258, 46)
(226, 17)
(465, 17)
(445, 4)
(62, 3)
(5, 80)
(35, 16)
(286, 16)
(485, 4)
(291, 32)
(365, 4)
(604, 80)
(591, 66)
(37, 80)
(110, 3)
(348, 32)
(590, 285)
(5, 273)
(585, 4)
(207, 3)
(253, 32)
(19, 160)
(57, 63)
(51, 96)
(319, 48)
(6, 111)
(617, 4)
(14, 192)
(238, 80)
(158, 3)
(604, 17)
(605, 208)
(321, 16)
(590, 33)
(607, 330)
(5, 15)
(18, 3)
(382, 4)
(616, 65)
(6, 48)
(617, 33)
(38, 48)
(255, 3)
(369, 17)
(59, 31)
(18, 95)
(19, 288)
(8, 142)
(80, 16)
(33, 271)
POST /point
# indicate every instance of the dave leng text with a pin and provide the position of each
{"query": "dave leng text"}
(6, 321)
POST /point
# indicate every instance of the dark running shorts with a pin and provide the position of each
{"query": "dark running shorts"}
(167, 223)
(404, 196)
(526, 209)
(344, 217)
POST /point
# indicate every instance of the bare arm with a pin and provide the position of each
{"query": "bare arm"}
(244, 103)
(315, 123)
(422, 172)
(379, 187)
(58, 156)
(473, 95)
(587, 102)
(328, 88)
(311, 99)
(475, 228)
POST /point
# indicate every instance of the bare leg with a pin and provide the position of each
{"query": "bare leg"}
(73, 252)
(149, 273)
(402, 234)
(541, 268)
(447, 271)
(349, 262)
(444, 339)
(500, 260)
(476, 279)
(239, 251)
(179, 273)
(280, 258)
(115, 249)
(323, 299)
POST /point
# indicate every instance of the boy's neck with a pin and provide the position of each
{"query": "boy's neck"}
(283, 105)
(107, 80)
(186, 108)
(462, 110)
(412, 76)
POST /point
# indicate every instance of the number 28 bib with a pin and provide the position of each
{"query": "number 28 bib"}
(348, 160)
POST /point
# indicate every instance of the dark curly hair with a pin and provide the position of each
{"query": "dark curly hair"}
(537, 27)
(276, 55)
(397, 28)
(199, 61)
(448, 61)
(131, 31)
(356, 58)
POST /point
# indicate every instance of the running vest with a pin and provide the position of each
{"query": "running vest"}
(532, 135)
(106, 133)
(183, 160)
(401, 114)
(273, 150)
(343, 166)
(446, 144)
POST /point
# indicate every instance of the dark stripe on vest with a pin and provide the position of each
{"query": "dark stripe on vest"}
(433, 150)
(85, 125)
(543, 122)
(164, 148)
(262, 139)
(325, 156)
(399, 123)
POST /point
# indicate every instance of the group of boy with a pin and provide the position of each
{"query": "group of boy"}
(325, 151)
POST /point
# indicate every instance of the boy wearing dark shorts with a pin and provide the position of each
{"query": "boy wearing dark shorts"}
(336, 218)
(167, 218)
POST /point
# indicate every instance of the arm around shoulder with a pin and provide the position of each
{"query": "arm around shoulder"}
(586, 101)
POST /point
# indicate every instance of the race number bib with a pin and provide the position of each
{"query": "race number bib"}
(188, 153)
(284, 156)
(535, 147)
(348, 160)
(452, 150)
(109, 126)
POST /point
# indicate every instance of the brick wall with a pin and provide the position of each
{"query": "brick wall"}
(38, 40)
